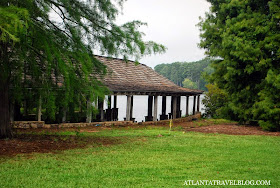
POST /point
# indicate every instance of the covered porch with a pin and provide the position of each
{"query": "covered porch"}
(160, 108)
(130, 79)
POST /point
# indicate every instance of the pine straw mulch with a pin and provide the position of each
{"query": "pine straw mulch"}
(31, 141)
(205, 126)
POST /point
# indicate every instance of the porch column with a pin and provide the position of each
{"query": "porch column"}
(163, 115)
(128, 108)
(174, 107)
(39, 109)
(171, 112)
(178, 107)
(115, 110)
(101, 108)
(187, 106)
(194, 100)
(155, 108)
(131, 109)
(149, 116)
(89, 111)
(115, 101)
(198, 103)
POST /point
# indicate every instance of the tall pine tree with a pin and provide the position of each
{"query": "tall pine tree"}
(244, 37)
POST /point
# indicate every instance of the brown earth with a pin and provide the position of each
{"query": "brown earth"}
(232, 129)
(24, 143)
(208, 126)
(47, 141)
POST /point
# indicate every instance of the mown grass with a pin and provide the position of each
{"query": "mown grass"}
(207, 122)
(149, 157)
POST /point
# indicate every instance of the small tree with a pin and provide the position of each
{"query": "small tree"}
(215, 102)
(187, 83)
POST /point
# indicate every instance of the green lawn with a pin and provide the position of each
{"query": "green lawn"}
(145, 159)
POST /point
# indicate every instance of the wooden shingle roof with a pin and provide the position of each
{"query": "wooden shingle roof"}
(130, 78)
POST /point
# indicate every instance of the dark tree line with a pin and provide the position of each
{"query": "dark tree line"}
(179, 71)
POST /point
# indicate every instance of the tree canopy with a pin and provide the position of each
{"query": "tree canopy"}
(244, 38)
(47, 51)
(177, 72)
(187, 83)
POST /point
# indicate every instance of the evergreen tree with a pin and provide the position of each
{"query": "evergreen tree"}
(244, 38)
(47, 46)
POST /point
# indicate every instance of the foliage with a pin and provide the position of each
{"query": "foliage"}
(215, 102)
(268, 108)
(177, 72)
(52, 43)
(136, 155)
(244, 38)
(212, 121)
(187, 83)
(13, 23)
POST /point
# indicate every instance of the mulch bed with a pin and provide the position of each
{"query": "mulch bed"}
(31, 143)
(230, 129)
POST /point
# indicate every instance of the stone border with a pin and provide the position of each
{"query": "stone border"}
(41, 124)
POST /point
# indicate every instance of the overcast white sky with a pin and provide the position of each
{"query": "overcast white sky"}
(171, 23)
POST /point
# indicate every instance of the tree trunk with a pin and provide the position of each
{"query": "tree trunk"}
(5, 127)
